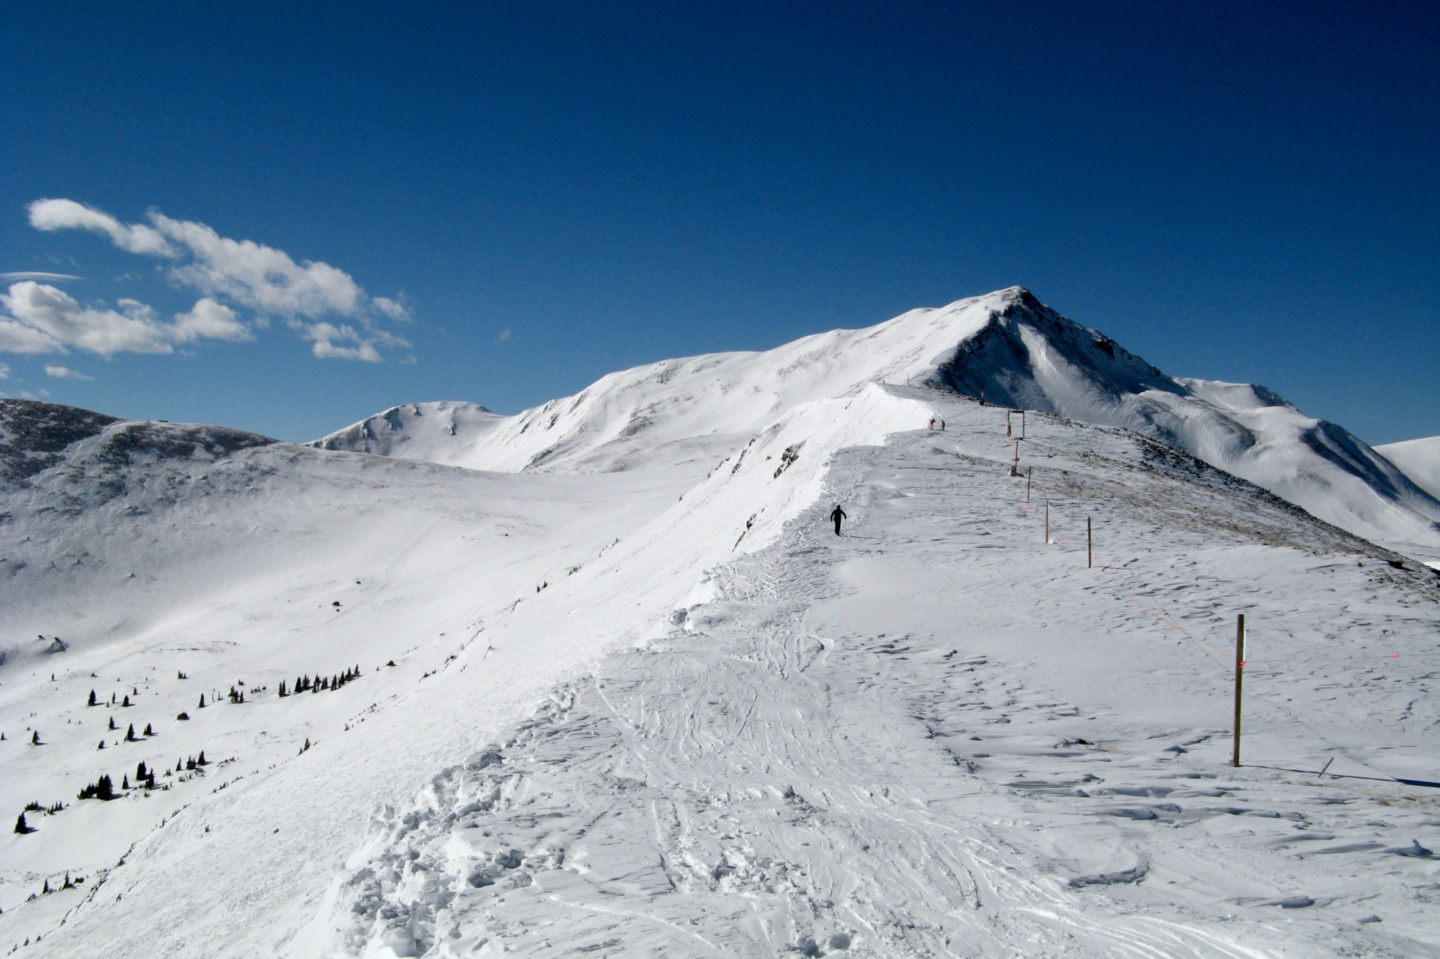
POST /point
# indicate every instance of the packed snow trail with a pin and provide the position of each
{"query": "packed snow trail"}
(937, 735)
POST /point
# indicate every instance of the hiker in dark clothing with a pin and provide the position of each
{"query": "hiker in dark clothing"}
(837, 514)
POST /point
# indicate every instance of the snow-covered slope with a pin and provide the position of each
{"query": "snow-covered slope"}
(936, 730)
(1005, 347)
(1417, 459)
(942, 733)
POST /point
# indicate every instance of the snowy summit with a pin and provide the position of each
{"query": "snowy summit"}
(1005, 348)
(607, 677)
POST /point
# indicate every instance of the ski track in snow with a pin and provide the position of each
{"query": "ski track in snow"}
(939, 736)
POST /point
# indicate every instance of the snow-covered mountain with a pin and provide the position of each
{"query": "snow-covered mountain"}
(943, 732)
(1005, 347)
(1417, 459)
(441, 432)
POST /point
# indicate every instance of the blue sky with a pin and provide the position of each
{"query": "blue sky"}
(508, 201)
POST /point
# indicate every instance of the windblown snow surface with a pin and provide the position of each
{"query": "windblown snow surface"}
(1417, 459)
(623, 692)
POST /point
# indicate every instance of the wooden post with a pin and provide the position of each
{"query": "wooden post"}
(1089, 546)
(1022, 424)
(1239, 679)
(1007, 423)
(1047, 522)
(1029, 477)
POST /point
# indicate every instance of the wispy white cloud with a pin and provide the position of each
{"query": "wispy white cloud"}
(505, 334)
(57, 315)
(51, 215)
(64, 373)
(329, 341)
(247, 274)
(395, 309)
(4, 372)
(42, 277)
(211, 320)
(258, 276)
(18, 338)
(48, 320)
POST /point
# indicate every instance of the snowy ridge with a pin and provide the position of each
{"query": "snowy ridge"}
(687, 410)
(1005, 347)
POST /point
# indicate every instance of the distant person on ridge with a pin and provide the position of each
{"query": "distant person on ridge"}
(837, 514)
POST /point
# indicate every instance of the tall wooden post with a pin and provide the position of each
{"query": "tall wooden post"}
(1022, 424)
(1239, 679)
(1047, 522)
(1029, 477)
(1007, 423)
(1089, 546)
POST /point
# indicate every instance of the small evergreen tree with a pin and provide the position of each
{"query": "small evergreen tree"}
(127, 701)
(112, 722)
(148, 730)
(202, 700)
(130, 734)
(35, 738)
(102, 744)
(200, 761)
(140, 771)
(22, 827)
(126, 783)
(101, 788)
(92, 699)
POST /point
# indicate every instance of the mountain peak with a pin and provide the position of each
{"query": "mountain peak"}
(1006, 348)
